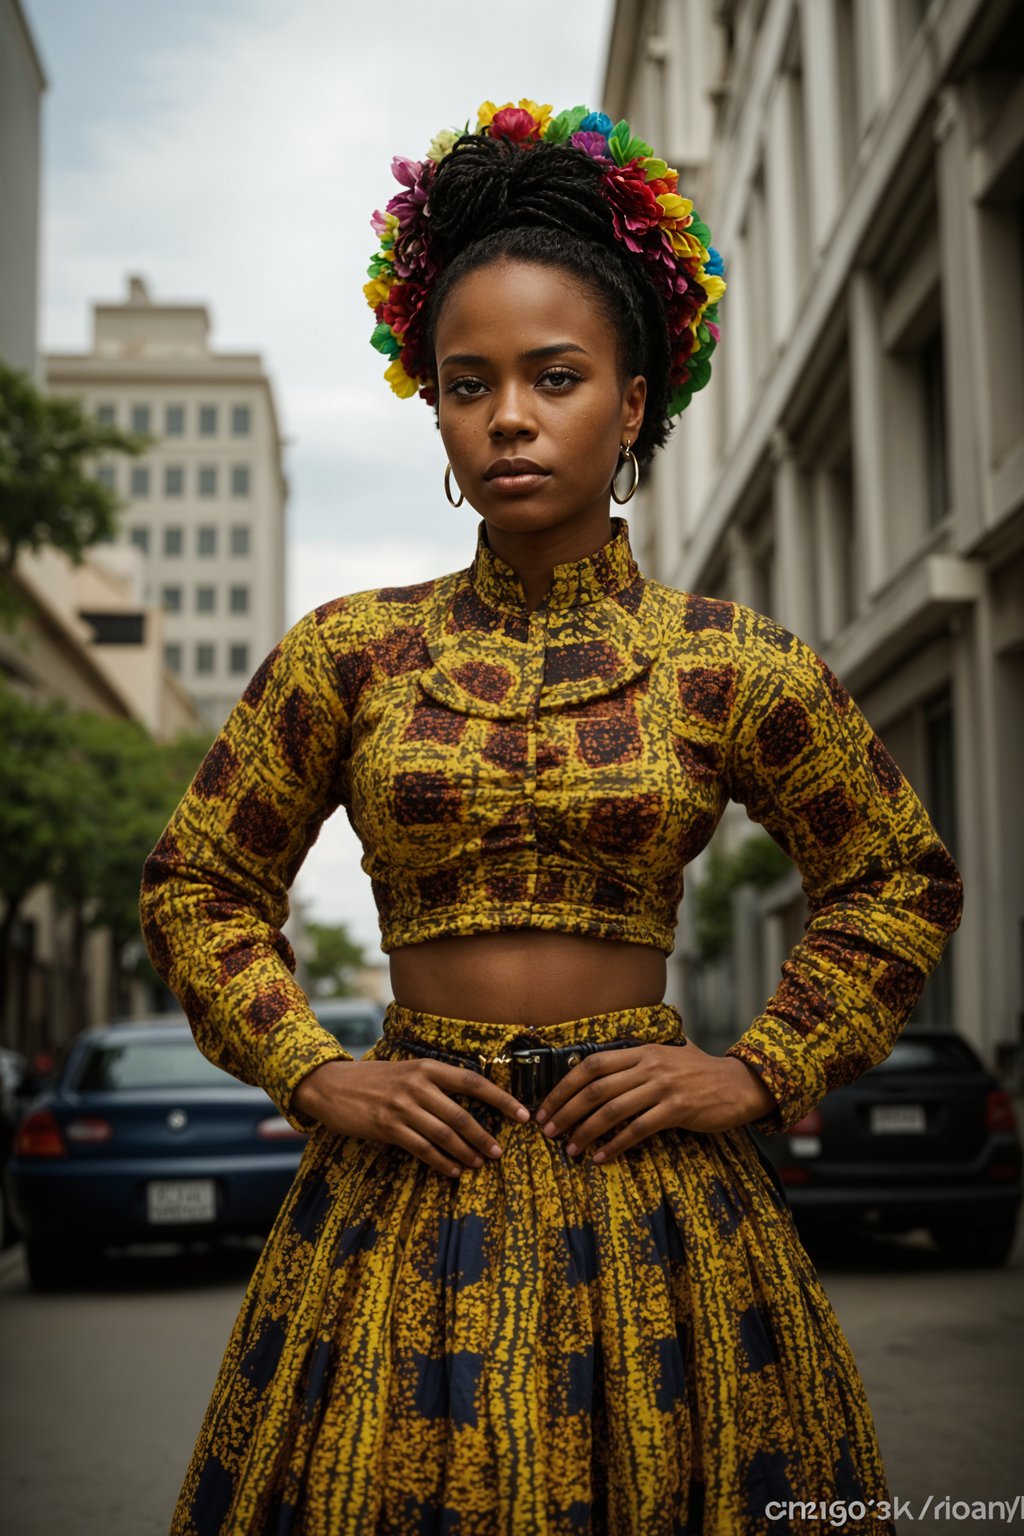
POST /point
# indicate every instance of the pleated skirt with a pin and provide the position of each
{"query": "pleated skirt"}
(543, 1346)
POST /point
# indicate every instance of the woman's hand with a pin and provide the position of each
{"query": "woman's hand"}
(653, 1087)
(408, 1104)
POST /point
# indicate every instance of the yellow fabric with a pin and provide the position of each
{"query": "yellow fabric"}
(541, 1347)
(558, 770)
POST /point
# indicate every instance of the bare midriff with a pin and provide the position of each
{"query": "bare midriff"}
(528, 976)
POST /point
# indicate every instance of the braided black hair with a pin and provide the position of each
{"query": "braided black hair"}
(492, 200)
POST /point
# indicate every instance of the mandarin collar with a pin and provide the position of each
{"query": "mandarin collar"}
(574, 583)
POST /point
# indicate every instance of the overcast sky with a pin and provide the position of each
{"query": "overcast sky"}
(232, 152)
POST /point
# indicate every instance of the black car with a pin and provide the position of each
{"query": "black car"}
(355, 1022)
(138, 1136)
(927, 1138)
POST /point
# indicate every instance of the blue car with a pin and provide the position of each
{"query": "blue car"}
(136, 1137)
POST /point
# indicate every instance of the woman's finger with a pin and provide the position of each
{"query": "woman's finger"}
(623, 1106)
(592, 1069)
(590, 1096)
(638, 1130)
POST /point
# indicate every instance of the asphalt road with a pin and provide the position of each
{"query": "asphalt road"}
(104, 1389)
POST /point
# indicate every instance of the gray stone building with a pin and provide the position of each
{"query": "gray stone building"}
(206, 505)
(856, 466)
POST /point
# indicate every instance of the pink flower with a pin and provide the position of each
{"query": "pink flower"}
(595, 145)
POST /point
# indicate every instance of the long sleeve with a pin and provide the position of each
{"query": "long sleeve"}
(884, 894)
(214, 888)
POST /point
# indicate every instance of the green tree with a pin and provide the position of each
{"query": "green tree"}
(48, 492)
(757, 862)
(336, 955)
(83, 798)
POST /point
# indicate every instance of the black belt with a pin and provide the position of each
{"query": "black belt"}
(535, 1069)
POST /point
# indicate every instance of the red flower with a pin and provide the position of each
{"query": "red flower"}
(513, 123)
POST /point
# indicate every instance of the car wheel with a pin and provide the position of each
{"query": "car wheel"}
(58, 1263)
(980, 1246)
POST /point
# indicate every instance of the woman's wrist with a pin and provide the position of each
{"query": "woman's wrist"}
(753, 1097)
(308, 1093)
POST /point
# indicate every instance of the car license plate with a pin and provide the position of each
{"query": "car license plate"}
(899, 1118)
(179, 1200)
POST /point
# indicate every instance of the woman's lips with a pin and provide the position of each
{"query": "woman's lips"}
(517, 485)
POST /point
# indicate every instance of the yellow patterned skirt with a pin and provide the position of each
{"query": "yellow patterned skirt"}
(539, 1347)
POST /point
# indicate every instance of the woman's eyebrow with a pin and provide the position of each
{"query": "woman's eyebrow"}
(476, 359)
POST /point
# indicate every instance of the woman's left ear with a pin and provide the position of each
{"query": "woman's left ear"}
(633, 401)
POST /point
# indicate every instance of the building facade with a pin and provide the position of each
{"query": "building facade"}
(22, 84)
(855, 468)
(205, 506)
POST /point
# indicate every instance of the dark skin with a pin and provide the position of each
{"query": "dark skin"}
(528, 367)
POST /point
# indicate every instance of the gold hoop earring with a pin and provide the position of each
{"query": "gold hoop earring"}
(627, 457)
(448, 488)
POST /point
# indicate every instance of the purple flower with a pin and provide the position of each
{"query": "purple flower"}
(595, 144)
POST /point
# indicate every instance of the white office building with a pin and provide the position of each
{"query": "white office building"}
(206, 504)
(856, 466)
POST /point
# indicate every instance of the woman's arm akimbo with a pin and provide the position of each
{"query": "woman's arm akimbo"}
(883, 892)
(214, 888)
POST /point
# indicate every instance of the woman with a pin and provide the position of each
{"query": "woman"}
(533, 1275)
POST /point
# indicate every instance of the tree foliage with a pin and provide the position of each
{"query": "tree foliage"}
(758, 862)
(83, 798)
(49, 495)
(336, 956)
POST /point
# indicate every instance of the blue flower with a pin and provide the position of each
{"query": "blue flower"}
(714, 263)
(596, 122)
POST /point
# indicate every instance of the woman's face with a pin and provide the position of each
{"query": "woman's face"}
(531, 406)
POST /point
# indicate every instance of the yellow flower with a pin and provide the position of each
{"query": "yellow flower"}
(714, 287)
(675, 207)
(400, 381)
(686, 245)
(540, 114)
(442, 144)
(487, 111)
(376, 291)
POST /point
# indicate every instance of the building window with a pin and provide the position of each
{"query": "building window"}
(204, 658)
(172, 658)
(106, 415)
(174, 542)
(174, 421)
(240, 539)
(170, 599)
(140, 479)
(207, 479)
(239, 658)
(207, 421)
(106, 476)
(239, 479)
(241, 421)
(206, 598)
(239, 600)
(140, 418)
(140, 538)
(933, 379)
(207, 543)
(174, 480)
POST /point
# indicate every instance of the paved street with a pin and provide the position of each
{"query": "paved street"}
(104, 1389)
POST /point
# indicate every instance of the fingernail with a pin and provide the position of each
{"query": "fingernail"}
(549, 1129)
(522, 1113)
(598, 1157)
(495, 1150)
(572, 1149)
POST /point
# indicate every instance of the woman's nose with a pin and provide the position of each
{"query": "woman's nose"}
(511, 413)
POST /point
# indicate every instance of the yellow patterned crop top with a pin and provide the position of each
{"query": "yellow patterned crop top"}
(551, 769)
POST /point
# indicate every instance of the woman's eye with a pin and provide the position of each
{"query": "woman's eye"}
(561, 378)
(467, 388)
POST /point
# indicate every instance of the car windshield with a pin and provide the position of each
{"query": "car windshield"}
(933, 1055)
(351, 1029)
(126, 1064)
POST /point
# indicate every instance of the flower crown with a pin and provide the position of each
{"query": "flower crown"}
(648, 216)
